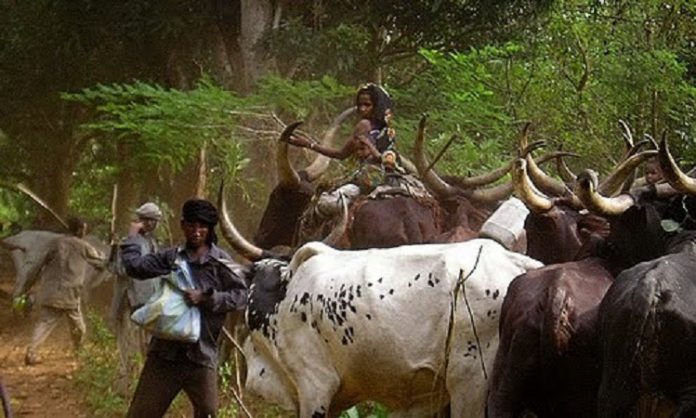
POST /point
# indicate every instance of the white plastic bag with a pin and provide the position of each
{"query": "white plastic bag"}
(167, 315)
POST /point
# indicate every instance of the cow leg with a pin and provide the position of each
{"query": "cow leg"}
(513, 370)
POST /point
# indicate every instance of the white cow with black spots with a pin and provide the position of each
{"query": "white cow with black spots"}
(413, 327)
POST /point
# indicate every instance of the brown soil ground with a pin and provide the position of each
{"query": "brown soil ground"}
(43, 390)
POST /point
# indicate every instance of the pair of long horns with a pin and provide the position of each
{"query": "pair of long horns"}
(466, 186)
(609, 186)
(287, 175)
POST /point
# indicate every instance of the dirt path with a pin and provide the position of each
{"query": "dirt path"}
(46, 389)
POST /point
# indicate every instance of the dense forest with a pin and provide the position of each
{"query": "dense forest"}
(165, 99)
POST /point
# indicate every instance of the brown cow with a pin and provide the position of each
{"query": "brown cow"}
(293, 192)
(547, 357)
(556, 229)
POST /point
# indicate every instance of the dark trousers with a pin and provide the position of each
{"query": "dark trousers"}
(161, 380)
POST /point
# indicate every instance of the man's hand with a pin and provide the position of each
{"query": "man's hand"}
(135, 228)
(299, 141)
(195, 297)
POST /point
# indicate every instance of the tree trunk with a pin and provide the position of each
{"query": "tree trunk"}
(127, 198)
(256, 18)
(54, 164)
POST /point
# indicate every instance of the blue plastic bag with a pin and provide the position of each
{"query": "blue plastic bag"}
(167, 315)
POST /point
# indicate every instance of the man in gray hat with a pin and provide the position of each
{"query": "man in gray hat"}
(129, 295)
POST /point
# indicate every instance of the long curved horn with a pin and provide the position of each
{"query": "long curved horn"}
(497, 192)
(443, 189)
(502, 191)
(491, 194)
(436, 184)
(543, 181)
(564, 171)
(525, 190)
(626, 134)
(321, 162)
(287, 175)
(612, 184)
(671, 171)
(232, 235)
(586, 190)
(339, 230)
(495, 175)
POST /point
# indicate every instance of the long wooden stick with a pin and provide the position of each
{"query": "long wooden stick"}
(114, 201)
(24, 189)
(442, 151)
(234, 342)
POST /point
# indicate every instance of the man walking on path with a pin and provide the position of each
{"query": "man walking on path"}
(62, 278)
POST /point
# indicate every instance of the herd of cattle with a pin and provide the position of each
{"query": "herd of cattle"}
(588, 315)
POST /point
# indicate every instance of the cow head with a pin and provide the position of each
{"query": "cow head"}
(556, 229)
(636, 228)
(294, 190)
(267, 290)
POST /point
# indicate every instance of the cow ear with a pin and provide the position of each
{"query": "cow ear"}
(306, 252)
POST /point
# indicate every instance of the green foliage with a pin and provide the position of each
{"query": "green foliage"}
(366, 410)
(308, 99)
(467, 103)
(167, 126)
(14, 210)
(351, 39)
(574, 81)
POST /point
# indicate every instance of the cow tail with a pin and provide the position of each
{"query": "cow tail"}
(556, 329)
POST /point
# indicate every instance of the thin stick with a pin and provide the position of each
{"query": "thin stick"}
(241, 404)
(234, 392)
(24, 189)
(442, 151)
(232, 340)
(114, 202)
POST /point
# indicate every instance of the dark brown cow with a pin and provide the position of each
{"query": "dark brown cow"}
(294, 190)
(547, 357)
(392, 222)
(387, 221)
(383, 222)
(556, 229)
(286, 204)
